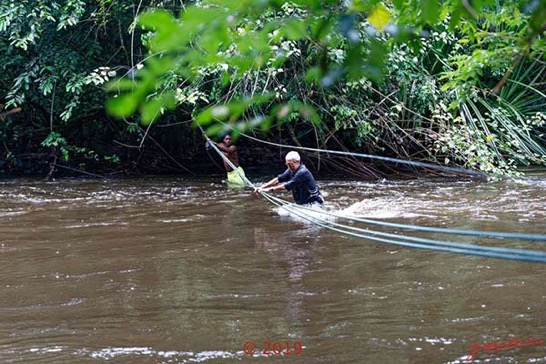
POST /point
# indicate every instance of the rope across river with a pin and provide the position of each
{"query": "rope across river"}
(331, 220)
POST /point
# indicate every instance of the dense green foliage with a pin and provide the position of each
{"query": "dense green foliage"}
(56, 56)
(448, 82)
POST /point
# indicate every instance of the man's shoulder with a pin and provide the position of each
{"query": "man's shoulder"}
(302, 172)
(302, 169)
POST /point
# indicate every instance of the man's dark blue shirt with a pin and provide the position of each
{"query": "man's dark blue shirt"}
(302, 184)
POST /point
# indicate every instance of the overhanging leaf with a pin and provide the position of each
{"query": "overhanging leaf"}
(151, 109)
(121, 84)
(157, 20)
(122, 106)
(379, 17)
(295, 29)
(430, 10)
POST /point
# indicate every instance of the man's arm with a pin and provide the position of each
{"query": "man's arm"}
(277, 187)
(225, 149)
(272, 185)
(273, 182)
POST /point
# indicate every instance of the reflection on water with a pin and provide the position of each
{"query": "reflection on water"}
(188, 271)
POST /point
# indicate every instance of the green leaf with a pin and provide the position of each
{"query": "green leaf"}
(313, 75)
(121, 84)
(295, 29)
(455, 18)
(313, 4)
(375, 63)
(379, 17)
(307, 112)
(168, 34)
(122, 106)
(211, 114)
(355, 62)
(399, 4)
(358, 6)
(152, 109)
(157, 20)
(430, 10)
(198, 19)
(54, 139)
(160, 65)
(322, 29)
(217, 129)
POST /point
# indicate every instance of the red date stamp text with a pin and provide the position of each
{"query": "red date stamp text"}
(274, 348)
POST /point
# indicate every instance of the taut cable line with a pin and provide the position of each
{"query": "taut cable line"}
(409, 241)
(330, 222)
(459, 170)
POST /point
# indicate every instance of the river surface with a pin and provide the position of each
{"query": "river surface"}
(172, 270)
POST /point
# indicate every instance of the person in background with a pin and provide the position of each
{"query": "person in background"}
(296, 179)
(231, 153)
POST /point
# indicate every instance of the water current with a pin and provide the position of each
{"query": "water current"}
(172, 270)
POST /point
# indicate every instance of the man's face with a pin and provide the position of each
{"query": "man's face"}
(292, 165)
(227, 140)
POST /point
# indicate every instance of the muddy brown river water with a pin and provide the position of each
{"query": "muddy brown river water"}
(171, 270)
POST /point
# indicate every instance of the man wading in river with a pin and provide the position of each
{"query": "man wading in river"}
(297, 179)
(230, 151)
